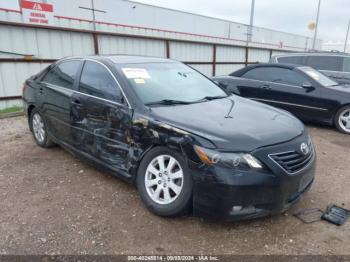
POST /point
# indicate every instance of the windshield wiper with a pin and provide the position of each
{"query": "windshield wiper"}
(179, 102)
(211, 98)
(168, 102)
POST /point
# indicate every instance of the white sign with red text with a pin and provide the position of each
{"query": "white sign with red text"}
(37, 13)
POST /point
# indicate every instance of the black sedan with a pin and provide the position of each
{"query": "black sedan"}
(185, 143)
(301, 90)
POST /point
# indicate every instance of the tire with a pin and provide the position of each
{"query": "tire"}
(343, 113)
(167, 204)
(43, 138)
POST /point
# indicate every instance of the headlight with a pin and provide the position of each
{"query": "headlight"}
(230, 160)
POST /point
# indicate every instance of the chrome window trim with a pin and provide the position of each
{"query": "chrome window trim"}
(75, 91)
(286, 103)
(59, 88)
(271, 82)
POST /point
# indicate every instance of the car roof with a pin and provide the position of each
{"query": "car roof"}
(130, 59)
(242, 71)
(281, 65)
(125, 59)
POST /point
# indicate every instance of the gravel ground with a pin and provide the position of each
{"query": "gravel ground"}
(53, 203)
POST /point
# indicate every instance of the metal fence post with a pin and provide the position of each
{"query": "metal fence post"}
(167, 48)
(214, 59)
(95, 39)
(246, 55)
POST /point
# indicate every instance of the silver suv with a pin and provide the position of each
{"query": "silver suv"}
(335, 65)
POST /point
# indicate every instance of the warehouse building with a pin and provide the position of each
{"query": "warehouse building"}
(35, 34)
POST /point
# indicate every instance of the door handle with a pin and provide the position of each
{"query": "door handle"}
(41, 90)
(266, 87)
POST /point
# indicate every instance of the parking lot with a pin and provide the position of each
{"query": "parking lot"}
(53, 203)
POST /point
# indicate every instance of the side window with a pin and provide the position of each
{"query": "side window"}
(63, 74)
(291, 60)
(97, 81)
(346, 64)
(291, 77)
(270, 74)
(332, 63)
(276, 75)
(257, 74)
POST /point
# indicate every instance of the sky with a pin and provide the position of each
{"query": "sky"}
(291, 16)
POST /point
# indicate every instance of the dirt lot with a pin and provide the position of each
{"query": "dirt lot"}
(52, 203)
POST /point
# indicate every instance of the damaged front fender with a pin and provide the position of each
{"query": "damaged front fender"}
(148, 133)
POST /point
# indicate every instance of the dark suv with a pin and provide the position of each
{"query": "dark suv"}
(335, 65)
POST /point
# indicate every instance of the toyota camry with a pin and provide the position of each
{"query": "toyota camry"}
(186, 144)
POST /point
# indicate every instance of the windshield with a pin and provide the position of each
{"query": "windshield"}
(318, 76)
(156, 82)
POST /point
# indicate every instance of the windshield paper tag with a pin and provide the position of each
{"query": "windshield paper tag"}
(139, 80)
(136, 73)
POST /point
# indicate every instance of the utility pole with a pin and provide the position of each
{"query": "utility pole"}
(250, 27)
(316, 26)
(93, 10)
(346, 38)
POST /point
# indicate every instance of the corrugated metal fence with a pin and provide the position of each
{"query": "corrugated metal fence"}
(48, 44)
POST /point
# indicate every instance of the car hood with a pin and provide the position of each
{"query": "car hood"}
(233, 123)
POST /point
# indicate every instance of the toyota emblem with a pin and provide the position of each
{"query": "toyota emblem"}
(304, 148)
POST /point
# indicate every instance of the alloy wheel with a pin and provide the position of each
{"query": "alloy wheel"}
(344, 120)
(38, 128)
(164, 179)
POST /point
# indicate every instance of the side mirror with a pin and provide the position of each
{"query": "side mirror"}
(308, 86)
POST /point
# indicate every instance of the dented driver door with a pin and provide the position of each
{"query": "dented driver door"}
(101, 117)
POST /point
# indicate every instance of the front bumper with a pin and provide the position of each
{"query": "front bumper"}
(226, 194)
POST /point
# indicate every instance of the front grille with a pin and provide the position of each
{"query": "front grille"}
(293, 161)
